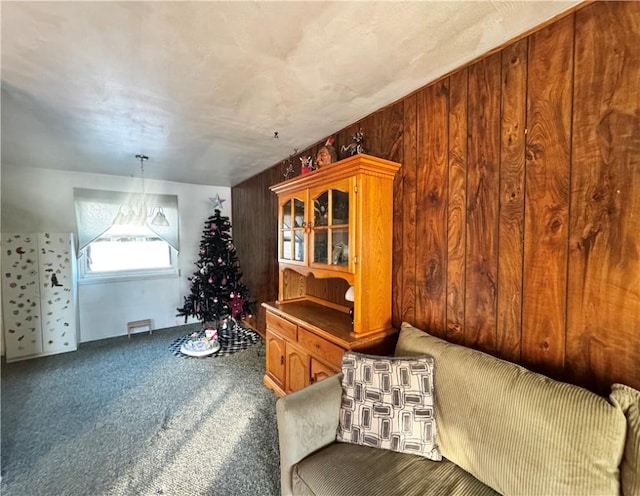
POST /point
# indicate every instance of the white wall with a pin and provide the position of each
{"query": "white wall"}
(38, 200)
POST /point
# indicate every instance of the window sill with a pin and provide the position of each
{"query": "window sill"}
(128, 276)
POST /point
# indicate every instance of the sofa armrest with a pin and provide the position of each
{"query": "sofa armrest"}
(307, 421)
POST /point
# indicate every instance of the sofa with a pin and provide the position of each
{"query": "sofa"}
(501, 429)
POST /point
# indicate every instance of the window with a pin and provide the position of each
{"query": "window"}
(126, 235)
(126, 252)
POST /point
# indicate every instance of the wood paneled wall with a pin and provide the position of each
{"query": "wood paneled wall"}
(517, 207)
(255, 230)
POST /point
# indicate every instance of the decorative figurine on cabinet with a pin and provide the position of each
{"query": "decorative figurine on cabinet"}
(288, 173)
(306, 164)
(340, 253)
(326, 154)
(357, 146)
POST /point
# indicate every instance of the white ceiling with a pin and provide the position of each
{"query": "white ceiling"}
(201, 87)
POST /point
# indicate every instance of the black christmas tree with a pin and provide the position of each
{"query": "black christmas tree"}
(217, 292)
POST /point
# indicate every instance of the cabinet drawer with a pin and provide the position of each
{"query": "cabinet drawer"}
(320, 371)
(331, 353)
(281, 326)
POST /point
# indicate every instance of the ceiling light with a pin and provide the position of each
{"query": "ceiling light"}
(159, 219)
(135, 212)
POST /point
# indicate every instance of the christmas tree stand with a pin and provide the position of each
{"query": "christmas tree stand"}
(238, 338)
(199, 349)
(201, 346)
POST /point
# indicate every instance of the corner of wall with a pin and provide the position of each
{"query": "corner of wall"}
(1, 318)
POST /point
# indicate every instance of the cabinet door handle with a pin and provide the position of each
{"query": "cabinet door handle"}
(317, 346)
(281, 359)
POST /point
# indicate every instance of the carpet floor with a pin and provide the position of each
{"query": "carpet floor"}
(125, 417)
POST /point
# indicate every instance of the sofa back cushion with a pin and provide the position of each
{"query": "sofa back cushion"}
(517, 431)
(628, 399)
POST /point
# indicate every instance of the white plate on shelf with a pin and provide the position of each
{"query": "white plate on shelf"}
(199, 348)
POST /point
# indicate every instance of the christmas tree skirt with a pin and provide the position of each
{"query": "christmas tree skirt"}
(240, 338)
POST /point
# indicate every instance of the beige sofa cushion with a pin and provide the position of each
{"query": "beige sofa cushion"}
(344, 469)
(517, 431)
(628, 399)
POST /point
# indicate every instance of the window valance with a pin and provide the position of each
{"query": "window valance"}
(98, 210)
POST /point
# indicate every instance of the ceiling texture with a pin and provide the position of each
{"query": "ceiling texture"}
(201, 87)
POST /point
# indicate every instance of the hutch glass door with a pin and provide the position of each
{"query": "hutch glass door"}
(292, 226)
(330, 228)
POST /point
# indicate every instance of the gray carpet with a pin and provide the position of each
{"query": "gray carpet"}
(126, 417)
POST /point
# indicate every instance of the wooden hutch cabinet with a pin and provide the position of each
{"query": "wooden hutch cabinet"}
(335, 231)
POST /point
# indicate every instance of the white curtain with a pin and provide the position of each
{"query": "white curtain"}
(98, 210)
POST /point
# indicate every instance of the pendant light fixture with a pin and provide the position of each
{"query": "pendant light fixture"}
(159, 219)
(136, 211)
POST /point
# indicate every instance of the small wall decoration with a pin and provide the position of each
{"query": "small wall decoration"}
(289, 170)
(54, 281)
(356, 147)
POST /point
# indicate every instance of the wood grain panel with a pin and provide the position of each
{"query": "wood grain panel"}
(511, 216)
(295, 284)
(330, 289)
(547, 196)
(255, 224)
(407, 297)
(431, 216)
(370, 126)
(373, 133)
(482, 207)
(391, 128)
(603, 335)
(391, 131)
(457, 212)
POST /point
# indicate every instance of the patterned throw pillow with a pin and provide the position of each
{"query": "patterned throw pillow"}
(388, 403)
